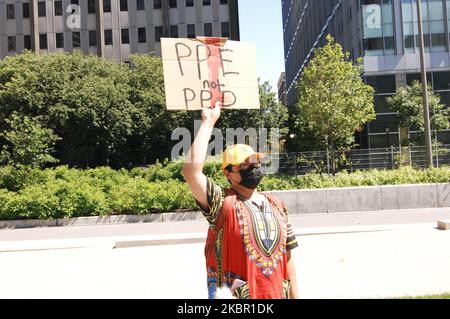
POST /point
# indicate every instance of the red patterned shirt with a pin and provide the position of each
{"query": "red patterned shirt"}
(250, 251)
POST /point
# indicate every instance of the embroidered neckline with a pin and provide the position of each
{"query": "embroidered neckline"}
(264, 243)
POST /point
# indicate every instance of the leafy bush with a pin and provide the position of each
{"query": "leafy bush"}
(140, 197)
(64, 192)
(16, 178)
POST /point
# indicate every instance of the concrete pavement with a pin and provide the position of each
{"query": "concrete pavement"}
(176, 232)
(369, 255)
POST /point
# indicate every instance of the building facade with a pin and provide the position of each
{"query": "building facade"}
(385, 34)
(111, 28)
(282, 97)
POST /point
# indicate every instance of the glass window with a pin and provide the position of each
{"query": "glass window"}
(433, 25)
(436, 26)
(381, 140)
(408, 26)
(208, 29)
(158, 33)
(437, 36)
(11, 43)
(441, 80)
(383, 122)
(189, 3)
(92, 38)
(223, 1)
(106, 5)
(380, 104)
(58, 8)
(378, 26)
(414, 137)
(435, 10)
(172, 3)
(140, 5)
(27, 42)
(174, 31)
(91, 6)
(375, 45)
(10, 14)
(123, 5)
(43, 41)
(448, 14)
(191, 30)
(59, 40)
(445, 98)
(387, 12)
(142, 36)
(76, 41)
(382, 84)
(157, 4)
(25, 10)
(444, 137)
(407, 11)
(225, 27)
(108, 37)
(41, 10)
(388, 36)
(125, 35)
(411, 77)
(206, 2)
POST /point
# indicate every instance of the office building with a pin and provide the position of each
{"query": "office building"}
(385, 34)
(111, 28)
(282, 97)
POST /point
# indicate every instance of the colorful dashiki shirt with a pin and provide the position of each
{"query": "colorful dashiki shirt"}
(250, 251)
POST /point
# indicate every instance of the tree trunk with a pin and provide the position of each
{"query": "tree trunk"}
(332, 156)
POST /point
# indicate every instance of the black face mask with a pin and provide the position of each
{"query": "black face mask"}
(250, 177)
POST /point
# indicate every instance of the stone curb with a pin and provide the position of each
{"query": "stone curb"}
(105, 220)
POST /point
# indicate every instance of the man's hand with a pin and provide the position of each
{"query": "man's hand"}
(210, 115)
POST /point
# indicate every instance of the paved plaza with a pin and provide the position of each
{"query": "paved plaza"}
(338, 260)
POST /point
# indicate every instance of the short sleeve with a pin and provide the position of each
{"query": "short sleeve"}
(214, 196)
(291, 241)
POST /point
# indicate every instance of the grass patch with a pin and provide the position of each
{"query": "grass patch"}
(438, 296)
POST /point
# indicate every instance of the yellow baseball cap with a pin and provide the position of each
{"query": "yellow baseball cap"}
(237, 154)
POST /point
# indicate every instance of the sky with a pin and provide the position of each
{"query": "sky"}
(261, 23)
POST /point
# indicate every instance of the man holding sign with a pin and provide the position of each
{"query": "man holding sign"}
(248, 248)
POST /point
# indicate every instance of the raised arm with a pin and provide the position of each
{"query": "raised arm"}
(193, 167)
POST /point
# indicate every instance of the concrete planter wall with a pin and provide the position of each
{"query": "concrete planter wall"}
(98, 220)
(370, 198)
(308, 201)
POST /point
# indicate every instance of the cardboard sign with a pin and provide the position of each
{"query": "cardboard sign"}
(200, 72)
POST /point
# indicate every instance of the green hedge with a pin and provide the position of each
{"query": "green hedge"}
(61, 192)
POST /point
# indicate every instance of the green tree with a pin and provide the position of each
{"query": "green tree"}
(154, 124)
(272, 114)
(333, 99)
(84, 99)
(107, 113)
(408, 102)
(27, 142)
